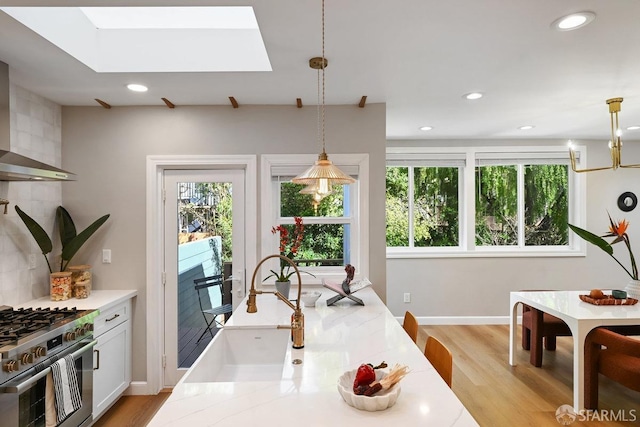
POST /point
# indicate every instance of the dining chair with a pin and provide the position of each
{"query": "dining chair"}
(533, 333)
(618, 360)
(440, 357)
(410, 325)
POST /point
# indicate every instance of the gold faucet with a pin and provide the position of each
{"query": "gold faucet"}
(297, 319)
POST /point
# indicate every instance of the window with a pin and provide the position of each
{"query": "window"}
(333, 235)
(522, 205)
(326, 226)
(513, 200)
(422, 206)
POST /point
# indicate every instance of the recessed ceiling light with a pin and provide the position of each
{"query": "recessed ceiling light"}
(573, 21)
(426, 128)
(526, 127)
(473, 95)
(137, 88)
(633, 128)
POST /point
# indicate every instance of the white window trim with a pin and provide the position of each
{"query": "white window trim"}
(360, 230)
(467, 248)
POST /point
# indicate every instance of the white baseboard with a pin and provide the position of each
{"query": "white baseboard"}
(462, 320)
(138, 388)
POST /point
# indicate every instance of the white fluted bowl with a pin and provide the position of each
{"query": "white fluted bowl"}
(309, 298)
(378, 402)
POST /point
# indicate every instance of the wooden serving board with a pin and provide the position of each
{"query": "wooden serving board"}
(608, 300)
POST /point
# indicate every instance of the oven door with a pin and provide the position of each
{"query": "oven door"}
(22, 400)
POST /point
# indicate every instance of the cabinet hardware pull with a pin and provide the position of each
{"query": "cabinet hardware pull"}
(115, 316)
(97, 360)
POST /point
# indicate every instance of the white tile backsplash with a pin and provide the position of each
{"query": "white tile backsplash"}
(37, 133)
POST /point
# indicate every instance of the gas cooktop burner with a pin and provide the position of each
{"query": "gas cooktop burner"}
(20, 325)
(16, 324)
(29, 336)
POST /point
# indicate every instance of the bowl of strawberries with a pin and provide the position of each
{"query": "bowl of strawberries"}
(371, 388)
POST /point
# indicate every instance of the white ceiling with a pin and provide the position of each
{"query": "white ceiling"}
(417, 56)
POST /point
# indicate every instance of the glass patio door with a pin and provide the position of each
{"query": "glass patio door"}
(204, 237)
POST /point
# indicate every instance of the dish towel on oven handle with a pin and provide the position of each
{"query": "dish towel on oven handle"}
(65, 385)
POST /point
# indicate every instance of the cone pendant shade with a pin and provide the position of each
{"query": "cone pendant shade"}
(323, 174)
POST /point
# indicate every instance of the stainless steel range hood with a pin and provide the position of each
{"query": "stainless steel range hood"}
(14, 167)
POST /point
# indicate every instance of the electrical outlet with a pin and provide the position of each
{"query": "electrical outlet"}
(407, 297)
(106, 256)
(33, 261)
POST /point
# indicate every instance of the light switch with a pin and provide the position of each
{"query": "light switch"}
(106, 256)
(33, 261)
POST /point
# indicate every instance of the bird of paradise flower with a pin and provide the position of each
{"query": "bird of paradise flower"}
(617, 229)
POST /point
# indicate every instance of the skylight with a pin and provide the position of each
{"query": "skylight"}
(152, 39)
(119, 18)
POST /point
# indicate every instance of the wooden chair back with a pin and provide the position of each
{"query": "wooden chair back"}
(440, 357)
(410, 325)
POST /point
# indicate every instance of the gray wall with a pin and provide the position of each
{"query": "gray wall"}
(108, 149)
(476, 287)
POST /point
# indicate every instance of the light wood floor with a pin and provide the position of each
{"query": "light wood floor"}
(495, 393)
(132, 411)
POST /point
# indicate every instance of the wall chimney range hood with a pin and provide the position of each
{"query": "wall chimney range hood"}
(14, 167)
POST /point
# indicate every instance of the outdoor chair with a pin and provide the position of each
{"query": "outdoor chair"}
(209, 290)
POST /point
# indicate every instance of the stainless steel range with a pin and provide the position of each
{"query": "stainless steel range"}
(30, 341)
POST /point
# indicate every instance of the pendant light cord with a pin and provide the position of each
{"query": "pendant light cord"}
(323, 80)
(318, 113)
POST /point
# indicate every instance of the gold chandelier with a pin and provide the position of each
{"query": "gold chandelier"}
(615, 144)
(323, 174)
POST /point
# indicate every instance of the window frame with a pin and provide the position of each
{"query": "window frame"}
(467, 209)
(358, 218)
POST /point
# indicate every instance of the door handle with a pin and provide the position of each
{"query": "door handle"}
(97, 352)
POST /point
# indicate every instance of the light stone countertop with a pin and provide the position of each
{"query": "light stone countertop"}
(337, 339)
(98, 299)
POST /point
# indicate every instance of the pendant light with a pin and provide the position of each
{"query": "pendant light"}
(615, 144)
(323, 174)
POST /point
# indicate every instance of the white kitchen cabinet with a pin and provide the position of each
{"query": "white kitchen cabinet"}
(112, 356)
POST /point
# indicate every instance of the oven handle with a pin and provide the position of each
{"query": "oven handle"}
(26, 384)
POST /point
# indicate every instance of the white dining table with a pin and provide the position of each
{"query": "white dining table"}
(580, 316)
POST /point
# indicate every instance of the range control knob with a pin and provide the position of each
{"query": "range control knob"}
(88, 327)
(26, 358)
(79, 331)
(40, 351)
(10, 366)
(69, 336)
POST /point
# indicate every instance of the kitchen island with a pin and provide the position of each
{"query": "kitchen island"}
(338, 338)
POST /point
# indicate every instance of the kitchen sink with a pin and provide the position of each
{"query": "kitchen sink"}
(242, 354)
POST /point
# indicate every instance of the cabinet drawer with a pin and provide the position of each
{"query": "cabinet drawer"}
(111, 317)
